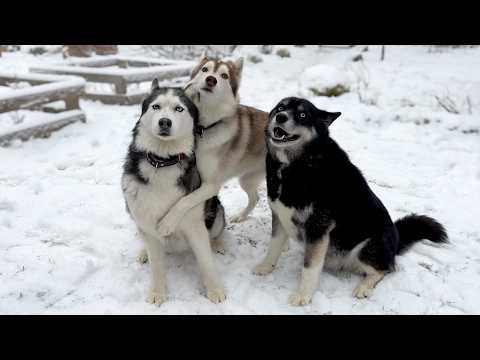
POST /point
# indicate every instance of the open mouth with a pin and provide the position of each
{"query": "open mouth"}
(281, 136)
(164, 133)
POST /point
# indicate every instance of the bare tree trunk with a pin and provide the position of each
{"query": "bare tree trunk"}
(2, 49)
(382, 57)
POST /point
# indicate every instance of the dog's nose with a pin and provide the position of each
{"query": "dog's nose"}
(165, 123)
(281, 118)
(211, 81)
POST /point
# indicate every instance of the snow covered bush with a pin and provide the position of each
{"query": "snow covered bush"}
(254, 59)
(283, 53)
(326, 80)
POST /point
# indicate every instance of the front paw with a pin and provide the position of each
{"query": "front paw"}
(362, 292)
(299, 299)
(238, 218)
(216, 295)
(219, 247)
(157, 297)
(263, 269)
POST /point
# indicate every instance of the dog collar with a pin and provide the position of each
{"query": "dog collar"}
(201, 129)
(159, 162)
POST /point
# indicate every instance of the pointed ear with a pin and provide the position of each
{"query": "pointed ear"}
(202, 60)
(331, 117)
(202, 56)
(154, 85)
(239, 66)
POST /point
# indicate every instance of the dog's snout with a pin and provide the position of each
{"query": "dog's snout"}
(211, 81)
(165, 123)
(281, 118)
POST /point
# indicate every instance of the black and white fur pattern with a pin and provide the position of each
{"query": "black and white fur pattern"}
(320, 198)
(166, 130)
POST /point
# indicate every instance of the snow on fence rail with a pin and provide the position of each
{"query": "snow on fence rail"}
(127, 70)
(43, 90)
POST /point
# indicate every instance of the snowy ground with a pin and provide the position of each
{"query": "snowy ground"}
(67, 245)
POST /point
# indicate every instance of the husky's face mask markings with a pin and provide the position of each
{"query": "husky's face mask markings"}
(295, 122)
(215, 81)
(167, 114)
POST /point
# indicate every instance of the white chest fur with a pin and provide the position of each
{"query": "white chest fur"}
(221, 149)
(150, 202)
(208, 162)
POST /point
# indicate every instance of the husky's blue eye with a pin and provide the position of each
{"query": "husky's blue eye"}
(156, 107)
(302, 115)
(280, 108)
(204, 69)
(179, 108)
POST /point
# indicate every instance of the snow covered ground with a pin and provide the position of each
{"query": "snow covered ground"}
(67, 245)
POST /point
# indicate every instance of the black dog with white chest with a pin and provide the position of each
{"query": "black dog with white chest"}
(320, 198)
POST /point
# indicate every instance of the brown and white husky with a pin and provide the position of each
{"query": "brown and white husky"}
(231, 140)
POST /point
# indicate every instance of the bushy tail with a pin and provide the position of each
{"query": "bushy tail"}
(413, 228)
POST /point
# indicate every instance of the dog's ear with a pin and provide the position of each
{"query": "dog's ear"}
(238, 70)
(203, 56)
(239, 66)
(201, 61)
(155, 85)
(330, 117)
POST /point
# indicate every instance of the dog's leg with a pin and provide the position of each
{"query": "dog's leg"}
(217, 231)
(375, 259)
(169, 222)
(275, 247)
(249, 183)
(199, 241)
(218, 244)
(156, 255)
(366, 286)
(315, 253)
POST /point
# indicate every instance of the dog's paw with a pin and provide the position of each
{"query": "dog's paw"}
(362, 291)
(216, 295)
(218, 247)
(238, 218)
(299, 299)
(263, 269)
(142, 258)
(157, 297)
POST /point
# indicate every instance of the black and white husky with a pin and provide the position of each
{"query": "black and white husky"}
(160, 168)
(320, 198)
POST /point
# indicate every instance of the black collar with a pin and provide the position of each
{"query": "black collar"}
(159, 162)
(201, 129)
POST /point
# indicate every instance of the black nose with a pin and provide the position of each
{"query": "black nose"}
(211, 81)
(281, 118)
(165, 123)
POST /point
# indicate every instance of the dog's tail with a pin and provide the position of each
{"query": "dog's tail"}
(413, 228)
